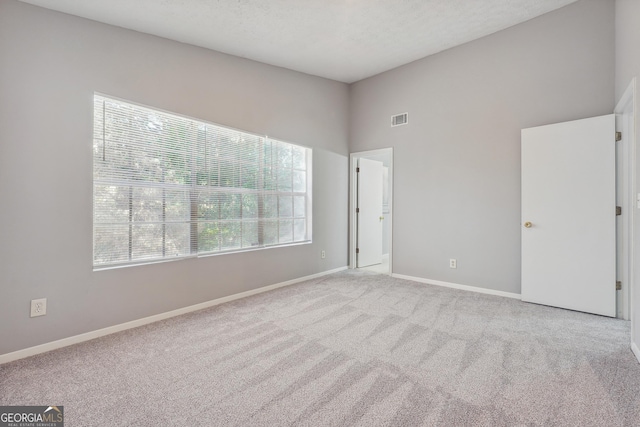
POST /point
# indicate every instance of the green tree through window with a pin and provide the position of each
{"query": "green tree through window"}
(167, 186)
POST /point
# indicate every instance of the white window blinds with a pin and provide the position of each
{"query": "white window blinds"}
(166, 187)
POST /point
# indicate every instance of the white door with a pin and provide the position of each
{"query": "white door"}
(568, 215)
(369, 212)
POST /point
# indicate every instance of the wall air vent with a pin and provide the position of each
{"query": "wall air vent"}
(399, 119)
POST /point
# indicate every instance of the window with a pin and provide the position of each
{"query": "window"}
(167, 187)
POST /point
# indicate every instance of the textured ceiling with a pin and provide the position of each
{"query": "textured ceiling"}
(344, 40)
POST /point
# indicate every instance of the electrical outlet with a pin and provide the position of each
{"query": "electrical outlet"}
(323, 255)
(453, 263)
(38, 307)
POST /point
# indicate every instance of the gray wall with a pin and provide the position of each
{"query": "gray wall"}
(456, 165)
(50, 65)
(628, 67)
(457, 162)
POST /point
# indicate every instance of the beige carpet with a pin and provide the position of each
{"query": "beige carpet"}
(350, 349)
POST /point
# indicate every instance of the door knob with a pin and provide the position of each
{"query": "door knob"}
(527, 224)
(381, 218)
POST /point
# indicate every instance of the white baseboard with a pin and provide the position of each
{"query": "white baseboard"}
(636, 351)
(458, 286)
(53, 345)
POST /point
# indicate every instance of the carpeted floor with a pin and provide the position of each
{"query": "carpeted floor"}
(350, 349)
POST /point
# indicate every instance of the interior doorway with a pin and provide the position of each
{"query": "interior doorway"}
(371, 211)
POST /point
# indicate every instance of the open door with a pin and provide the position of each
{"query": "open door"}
(369, 212)
(569, 215)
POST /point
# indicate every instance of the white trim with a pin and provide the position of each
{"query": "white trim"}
(53, 345)
(625, 195)
(626, 98)
(353, 228)
(628, 103)
(458, 286)
(636, 351)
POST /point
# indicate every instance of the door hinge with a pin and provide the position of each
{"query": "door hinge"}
(357, 210)
(618, 210)
(618, 285)
(357, 250)
(357, 170)
(618, 136)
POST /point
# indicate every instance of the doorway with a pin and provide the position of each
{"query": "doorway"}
(627, 199)
(370, 237)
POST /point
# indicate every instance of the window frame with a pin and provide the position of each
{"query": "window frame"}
(192, 144)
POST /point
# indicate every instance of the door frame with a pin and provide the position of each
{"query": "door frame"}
(353, 194)
(626, 196)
